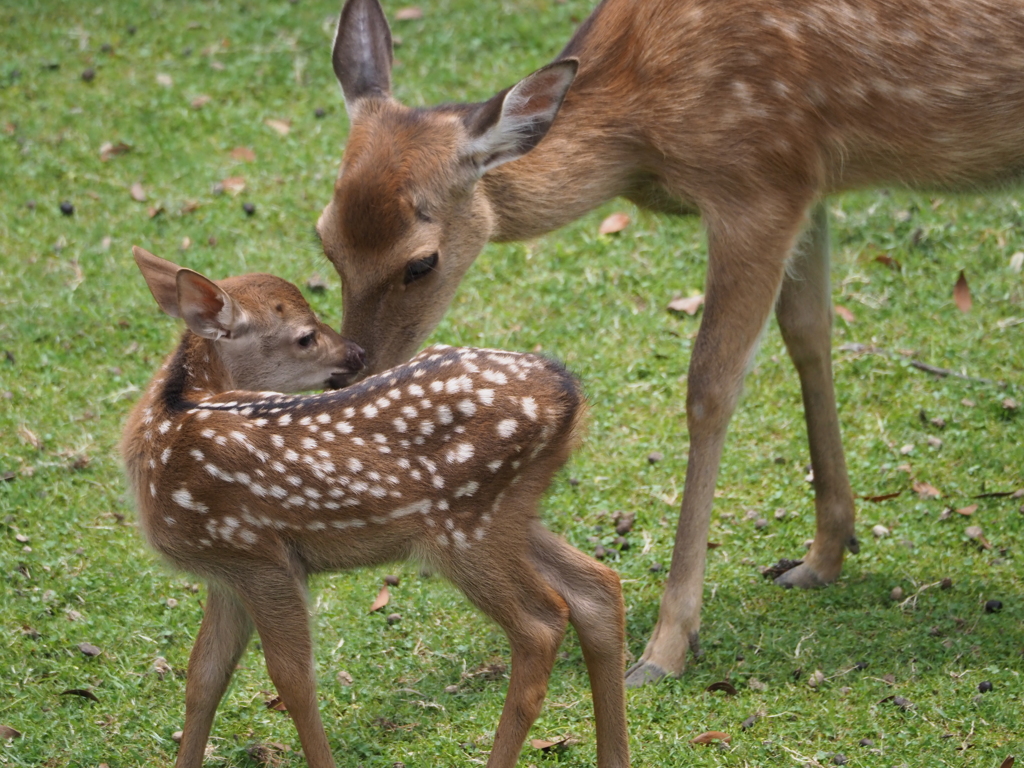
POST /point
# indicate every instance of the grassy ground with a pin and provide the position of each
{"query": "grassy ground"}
(79, 334)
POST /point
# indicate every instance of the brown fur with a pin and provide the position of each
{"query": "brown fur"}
(443, 460)
(748, 112)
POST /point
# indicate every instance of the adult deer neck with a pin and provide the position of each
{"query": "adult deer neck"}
(571, 172)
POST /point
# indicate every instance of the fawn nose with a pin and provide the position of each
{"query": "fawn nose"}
(352, 361)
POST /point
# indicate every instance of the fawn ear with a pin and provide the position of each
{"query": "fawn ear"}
(513, 122)
(161, 277)
(362, 54)
(206, 309)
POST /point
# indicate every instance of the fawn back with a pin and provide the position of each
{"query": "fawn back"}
(443, 459)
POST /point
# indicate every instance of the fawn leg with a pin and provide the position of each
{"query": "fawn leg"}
(804, 312)
(502, 583)
(594, 597)
(222, 638)
(747, 250)
(276, 600)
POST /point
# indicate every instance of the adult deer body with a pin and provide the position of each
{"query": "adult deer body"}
(443, 460)
(748, 112)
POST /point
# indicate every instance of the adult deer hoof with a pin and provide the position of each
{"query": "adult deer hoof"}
(644, 672)
(801, 576)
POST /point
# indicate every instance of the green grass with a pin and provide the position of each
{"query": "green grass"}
(80, 334)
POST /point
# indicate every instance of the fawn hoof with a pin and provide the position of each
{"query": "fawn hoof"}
(802, 576)
(644, 672)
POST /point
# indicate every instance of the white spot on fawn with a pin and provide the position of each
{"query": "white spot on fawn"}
(460, 454)
(506, 427)
(468, 489)
(530, 408)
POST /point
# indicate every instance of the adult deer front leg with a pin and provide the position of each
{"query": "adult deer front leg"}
(804, 312)
(747, 250)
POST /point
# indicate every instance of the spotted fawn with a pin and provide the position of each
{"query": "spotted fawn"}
(442, 460)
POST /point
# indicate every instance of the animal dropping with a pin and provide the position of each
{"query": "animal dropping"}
(241, 481)
(749, 114)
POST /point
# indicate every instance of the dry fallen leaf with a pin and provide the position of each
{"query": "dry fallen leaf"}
(234, 185)
(6, 732)
(201, 101)
(1010, 404)
(243, 153)
(926, 490)
(709, 736)
(154, 210)
(109, 151)
(344, 678)
(614, 223)
(689, 304)
(89, 649)
(962, 294)
(29, 437)
(889, 261)
(283, 127)
(844, 313)
(883, 497)
(276, 703)
(165, 80)
(975, 532)
(968, 511)
(411, 13)
(549, 746)
(722, 685)
(383, 597)
(137, 192)
(1008, 762)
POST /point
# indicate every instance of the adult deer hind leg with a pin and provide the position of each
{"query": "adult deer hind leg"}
(594, 596)
(747, 250)
(275, 598)
(804, 312)
(496, 575)
(222, 638)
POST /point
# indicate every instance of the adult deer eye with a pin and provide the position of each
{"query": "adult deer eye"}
(414, 270)
(307, 340)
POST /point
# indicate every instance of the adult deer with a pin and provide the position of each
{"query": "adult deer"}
(748, 112)
(443, 459)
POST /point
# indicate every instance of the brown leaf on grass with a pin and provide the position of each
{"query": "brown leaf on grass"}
(164, 79)
(108, 151)
(89, 649)
(974, 532)
(968, 511)
(80, 692)
(233, 185)
(1010, 404)
(709, 736)
(1008, 762)
(243, 153)
(962, 293)
(29, 437)
(201, 101)
(276, 703)
(190, 206)
(283, 127)
(6, 732)
(411, 13)
(689, 304)
(267, 753)
(926, 490)
(545, 745)
(844, 313)
(154, 210)
(722, 685)
(138, 192)
(614, 223)
(883, 497)
(889, 261)
(383, 598)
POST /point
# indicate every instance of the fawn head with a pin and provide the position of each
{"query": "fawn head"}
(407, 217)
(264, 333)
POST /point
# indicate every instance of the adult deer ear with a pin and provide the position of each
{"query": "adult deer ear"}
(161, 277)
(206, 309)
(362, 53)
(513, 122)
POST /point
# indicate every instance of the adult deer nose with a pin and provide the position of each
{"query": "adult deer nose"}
(355, 357)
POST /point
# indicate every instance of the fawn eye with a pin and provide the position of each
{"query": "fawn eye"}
(414, 270)
(307, 340)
